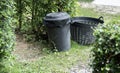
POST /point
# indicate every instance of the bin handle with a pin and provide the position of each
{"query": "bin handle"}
(101, 18)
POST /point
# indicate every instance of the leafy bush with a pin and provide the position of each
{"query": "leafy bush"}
(42, 7)
(33, 12)
(106, 51)
(23, 15)
(6, 29)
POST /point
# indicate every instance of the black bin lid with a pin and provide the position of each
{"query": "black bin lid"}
(56, 16)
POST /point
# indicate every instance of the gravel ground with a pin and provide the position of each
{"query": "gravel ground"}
(107, 2)
(106, 6)
(81, 68)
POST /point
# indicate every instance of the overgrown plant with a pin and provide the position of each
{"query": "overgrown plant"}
(35, 10)
(19, 7)
(106, 51)
(41, 8)
(6, 29)
(23, 15)
(7, 37)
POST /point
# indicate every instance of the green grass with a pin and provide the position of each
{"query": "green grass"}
(57, 62)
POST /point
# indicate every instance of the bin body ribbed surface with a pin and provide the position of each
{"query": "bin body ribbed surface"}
(82, 29)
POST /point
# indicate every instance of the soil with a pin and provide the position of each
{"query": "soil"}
(26, 51)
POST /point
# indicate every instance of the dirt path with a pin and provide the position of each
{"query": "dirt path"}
(26, 51)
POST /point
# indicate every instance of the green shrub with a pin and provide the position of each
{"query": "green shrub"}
(6, 34)
(106, 51)
(6, 29)
(23, 15)
(42, 7)
(30, 13)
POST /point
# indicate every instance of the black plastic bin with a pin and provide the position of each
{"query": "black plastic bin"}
(58, 29)
(81, 29)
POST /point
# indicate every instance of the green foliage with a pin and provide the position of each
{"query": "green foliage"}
(7, 65)
(7, 37)
(106, 51)
(30, 13)
(23, 15)
(42, 7)
(6, 29)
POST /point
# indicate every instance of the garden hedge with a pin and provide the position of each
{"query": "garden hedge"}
(106, 51)
(6, 30)
(30, 13)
